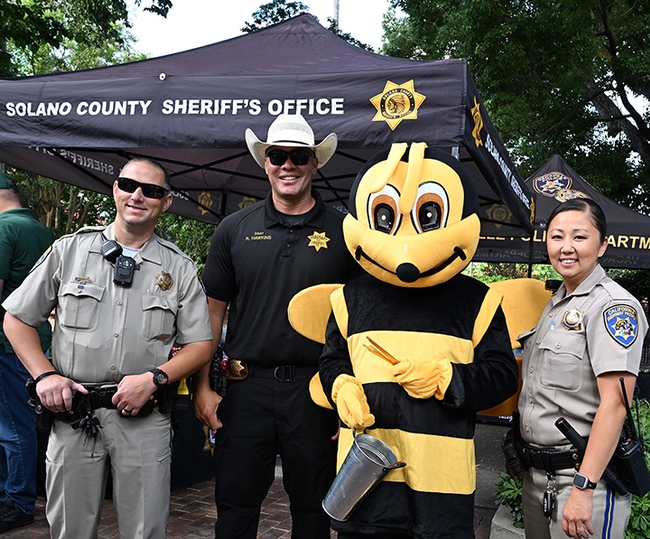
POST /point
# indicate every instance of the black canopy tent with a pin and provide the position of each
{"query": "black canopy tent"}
(555, 182)
(190, 110)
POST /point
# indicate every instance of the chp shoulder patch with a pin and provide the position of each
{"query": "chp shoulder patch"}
(621, 322)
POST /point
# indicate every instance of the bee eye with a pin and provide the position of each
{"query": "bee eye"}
(429, 216)
(383, 210)
(431, 207)
(384, 218)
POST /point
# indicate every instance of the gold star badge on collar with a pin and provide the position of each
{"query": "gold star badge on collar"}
(318, 240)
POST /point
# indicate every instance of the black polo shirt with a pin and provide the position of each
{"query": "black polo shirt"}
(258, 263)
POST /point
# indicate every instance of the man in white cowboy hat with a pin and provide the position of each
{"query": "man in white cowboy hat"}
(260, 257)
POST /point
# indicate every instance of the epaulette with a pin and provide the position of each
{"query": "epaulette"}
(172, 247)
(615, 290)
(84, 230)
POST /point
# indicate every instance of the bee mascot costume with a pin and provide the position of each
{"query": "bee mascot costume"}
(413, 349)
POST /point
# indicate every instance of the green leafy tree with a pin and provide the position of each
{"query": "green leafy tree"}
(191, 237)
(557, 77)
(61, 207)
(65, 208)
(281, 10)
(273, 13)
(26, 26)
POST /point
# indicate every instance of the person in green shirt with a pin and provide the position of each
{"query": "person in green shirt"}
(23, 239)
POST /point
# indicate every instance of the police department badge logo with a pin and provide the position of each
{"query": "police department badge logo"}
(499, 214)
(246, 201)
(396, 103)
(550, 184)
(622, 324)
(318, 240)
(569, 194)
(164, 280)
(206, 202)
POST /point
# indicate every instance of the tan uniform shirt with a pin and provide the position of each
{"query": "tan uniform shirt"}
(599, 328)
(104, 331)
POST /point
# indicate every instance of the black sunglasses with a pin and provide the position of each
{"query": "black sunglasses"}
(298, 157)
(150, 190)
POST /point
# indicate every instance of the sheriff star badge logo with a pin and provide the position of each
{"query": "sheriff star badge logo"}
(396, 103)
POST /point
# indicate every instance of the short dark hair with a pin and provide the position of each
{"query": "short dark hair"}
(154, 164)
(588, 206)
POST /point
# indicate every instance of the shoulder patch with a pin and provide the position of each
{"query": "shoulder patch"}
(40, 260)
(621, 322)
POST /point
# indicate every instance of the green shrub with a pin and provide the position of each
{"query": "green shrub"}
(508, 493)
(508, 489)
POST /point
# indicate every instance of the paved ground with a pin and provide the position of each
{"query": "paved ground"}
(193, 512)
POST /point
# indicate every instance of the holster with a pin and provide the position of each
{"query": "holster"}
(173, 398)
(630, 465)
(509, 446)
(44, 417)
(218, 367)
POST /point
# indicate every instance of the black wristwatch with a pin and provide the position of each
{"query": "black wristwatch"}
(160, 377)
(583, 482)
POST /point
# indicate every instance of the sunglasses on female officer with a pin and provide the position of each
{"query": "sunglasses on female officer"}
(149, 190)
(298, 157)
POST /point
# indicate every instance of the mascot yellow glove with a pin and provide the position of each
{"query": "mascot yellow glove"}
(351, 402)
(424, 378)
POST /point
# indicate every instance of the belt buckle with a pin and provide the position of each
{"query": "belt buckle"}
(288, 373)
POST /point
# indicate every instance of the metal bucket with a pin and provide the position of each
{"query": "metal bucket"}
(366, 464)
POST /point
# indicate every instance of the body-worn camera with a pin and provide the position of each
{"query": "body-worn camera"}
(124, 268)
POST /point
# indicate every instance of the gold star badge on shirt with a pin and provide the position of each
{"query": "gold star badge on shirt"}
(318, 240)
(164, 280)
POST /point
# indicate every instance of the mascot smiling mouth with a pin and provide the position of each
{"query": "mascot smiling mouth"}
(409, 273)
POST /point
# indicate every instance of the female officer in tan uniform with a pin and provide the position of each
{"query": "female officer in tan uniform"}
(588, 337)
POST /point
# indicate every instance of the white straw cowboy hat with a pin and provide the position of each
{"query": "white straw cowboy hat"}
(292, 131)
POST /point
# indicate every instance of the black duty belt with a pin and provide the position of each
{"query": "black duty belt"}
(549, 460)
(101, 397)
(283, 373)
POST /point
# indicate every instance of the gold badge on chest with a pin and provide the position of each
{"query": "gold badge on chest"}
(572, 319)
(164, 280)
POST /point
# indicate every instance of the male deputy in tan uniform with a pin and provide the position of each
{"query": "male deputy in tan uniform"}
(112, 332)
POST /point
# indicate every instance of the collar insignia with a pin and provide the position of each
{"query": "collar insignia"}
(621, 322)
(164, 280)
(318, 240)
(572, 319)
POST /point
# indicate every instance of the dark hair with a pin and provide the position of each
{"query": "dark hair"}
(152, 163)
(588, 206)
